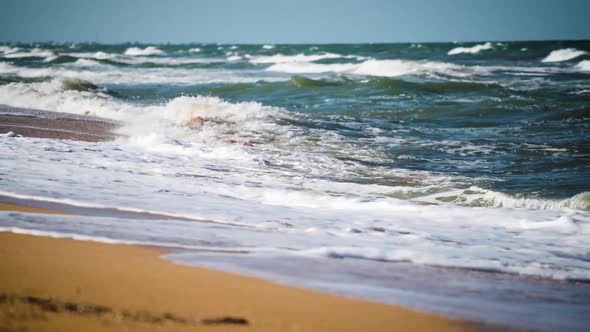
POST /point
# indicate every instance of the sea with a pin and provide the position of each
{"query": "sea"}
(451, 178)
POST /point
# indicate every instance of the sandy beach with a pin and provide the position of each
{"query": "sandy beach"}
(42, 124)
(295, 166)
(66, 285)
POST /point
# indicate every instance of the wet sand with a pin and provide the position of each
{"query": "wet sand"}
(66, 285)
(42, 124)
(62, 208)
(13, 207)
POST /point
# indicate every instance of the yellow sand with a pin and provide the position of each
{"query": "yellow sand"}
(12, 207)
(65, 285)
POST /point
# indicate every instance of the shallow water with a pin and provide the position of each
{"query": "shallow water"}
(455, 156)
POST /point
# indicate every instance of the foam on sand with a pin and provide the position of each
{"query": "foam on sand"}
(471, 50)
(150, 50)
(563, 55)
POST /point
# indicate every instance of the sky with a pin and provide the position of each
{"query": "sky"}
(292, 21)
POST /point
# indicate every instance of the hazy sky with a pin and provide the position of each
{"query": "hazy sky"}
(293, 21)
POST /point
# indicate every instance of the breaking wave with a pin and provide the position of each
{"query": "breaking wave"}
(471, 50)
(89, 70)
(15, 53)
(385, 68)
(563, 55)
(150, 50)
(583, 65)
(279, 58)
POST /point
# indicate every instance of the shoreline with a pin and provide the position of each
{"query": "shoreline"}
(132, 287)
(56, 125)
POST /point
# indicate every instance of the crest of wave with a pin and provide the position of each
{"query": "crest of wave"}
(385, 68)
(279, 58)
(486, 198)
(185, 125)
(563, 55)
(196, 119)
(150, 50)
(584, 65)
(471, 50)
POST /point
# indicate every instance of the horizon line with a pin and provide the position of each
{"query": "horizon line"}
(292, 43)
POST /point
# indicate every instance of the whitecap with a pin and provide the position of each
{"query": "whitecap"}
(471, 50)
(563, 55)
(150, 50)
(385, 68)
(583, 65)
(117, 75)
(86, 63)
(280, 58)
(35, 52)
(234, 58)
(9, 49)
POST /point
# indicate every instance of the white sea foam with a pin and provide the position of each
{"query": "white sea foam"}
(279, 58)
(583, 65)
(256, 166)
(235, 58)
(197, 156)
(8, 49)
(86, 63)
(35, 52)
(102, 55)
(563, 55)
(480, 197)
(268, 47)
(194, 50)
(95, 55)
(471, 50)
(106, 74)
(386, 68)
(150, 50)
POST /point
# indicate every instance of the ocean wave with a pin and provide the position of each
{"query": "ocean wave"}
(204, 119)
(194, 50)
(150, 50)
(78, 85)
(210, 119)
(563, 55)
(471, 50)
(57, 59)
(8, 49)
(583, 65)
(86, 63)
(33, 53)
(235, 58)
(411, 255)
(279, 58)
(268, 47)
(384, 68)
(478, 197)
(107, 74)
(139, 59)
